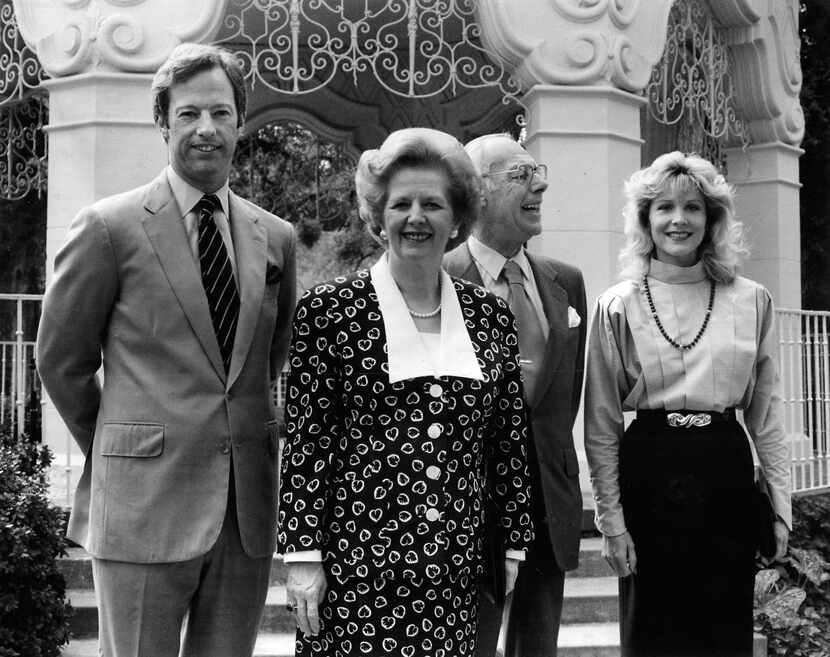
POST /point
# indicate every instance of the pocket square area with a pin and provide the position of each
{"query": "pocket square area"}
(574, 319)
(273, 274)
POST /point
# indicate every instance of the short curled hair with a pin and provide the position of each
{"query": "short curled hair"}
(418, 148)
(723, 246)
(187, 60)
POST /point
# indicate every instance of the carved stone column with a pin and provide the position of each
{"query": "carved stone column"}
(100, 54)
(565, 52)
(766, 51)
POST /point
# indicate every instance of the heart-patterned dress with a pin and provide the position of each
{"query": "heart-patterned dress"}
(387, 480)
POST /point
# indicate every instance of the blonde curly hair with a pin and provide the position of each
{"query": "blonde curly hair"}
(724, 244)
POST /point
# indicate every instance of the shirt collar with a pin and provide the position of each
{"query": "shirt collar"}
(187, 196)
(493, 262)
(668, 273)
(406, 351)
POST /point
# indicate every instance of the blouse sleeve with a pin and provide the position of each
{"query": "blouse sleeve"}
(511, 480)
(763, 414)
(605, 381)
(313, 427)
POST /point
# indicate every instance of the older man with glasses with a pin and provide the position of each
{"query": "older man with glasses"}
(547, 298)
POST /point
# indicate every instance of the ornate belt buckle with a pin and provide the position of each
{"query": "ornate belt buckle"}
(689, 420)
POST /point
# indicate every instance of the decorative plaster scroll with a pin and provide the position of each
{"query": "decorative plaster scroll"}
(584, 42)
(768, 69)
(81, 36)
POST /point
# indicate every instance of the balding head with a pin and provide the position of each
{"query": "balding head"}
(511, 193)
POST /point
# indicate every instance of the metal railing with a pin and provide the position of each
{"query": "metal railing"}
(19, 383)
(804, 365)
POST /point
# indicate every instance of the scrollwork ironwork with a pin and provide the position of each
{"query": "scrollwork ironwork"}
(20, 70)
(412, 48)
(692, 85)
(22, 113)
(23, 147)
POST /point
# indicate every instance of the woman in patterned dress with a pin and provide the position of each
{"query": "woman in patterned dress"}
(404, 393)
(688, 345)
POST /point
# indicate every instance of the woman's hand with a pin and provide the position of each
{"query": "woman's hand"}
(619, 552)
(782, 537)
(511, 572)
(305, 587)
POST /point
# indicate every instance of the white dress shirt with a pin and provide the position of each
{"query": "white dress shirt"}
(187, 196)
(490, 262)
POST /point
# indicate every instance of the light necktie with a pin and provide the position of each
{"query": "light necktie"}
(217, 277)
(531, 336)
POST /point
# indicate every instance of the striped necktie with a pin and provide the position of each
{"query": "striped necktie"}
(217, 277)
(531, 337)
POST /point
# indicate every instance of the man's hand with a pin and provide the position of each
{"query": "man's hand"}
(619, 552)
(306, 586)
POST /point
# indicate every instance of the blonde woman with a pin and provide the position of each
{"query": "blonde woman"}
(689, 346)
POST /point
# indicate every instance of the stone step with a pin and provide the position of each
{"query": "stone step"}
(587, 640)
(77, 565)
(591, 599)
(583, 640)
(591, 563)
(76, 568)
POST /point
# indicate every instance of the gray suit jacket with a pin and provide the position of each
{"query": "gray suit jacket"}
(162, 431)
(558, 393)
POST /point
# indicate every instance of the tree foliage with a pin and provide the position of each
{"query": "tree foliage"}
(286, 169)
(34, 614)
(815, 163)
(792, 600)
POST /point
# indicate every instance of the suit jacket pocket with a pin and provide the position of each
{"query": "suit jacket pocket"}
(273, 274)
(133, 440)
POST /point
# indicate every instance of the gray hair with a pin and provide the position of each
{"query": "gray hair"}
(414, 148)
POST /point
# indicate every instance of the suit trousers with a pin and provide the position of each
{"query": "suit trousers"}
(217, 598)
(533, 625)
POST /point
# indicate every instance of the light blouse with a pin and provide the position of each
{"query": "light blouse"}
(632, 366)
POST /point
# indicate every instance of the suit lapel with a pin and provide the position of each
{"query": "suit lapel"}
(165, 229)
(460, 264)
(250, 247)
(555, 304)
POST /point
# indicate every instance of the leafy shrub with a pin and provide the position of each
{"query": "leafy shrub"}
(34, 614)
(792, 600)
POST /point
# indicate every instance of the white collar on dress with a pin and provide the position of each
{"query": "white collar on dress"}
(406, 352)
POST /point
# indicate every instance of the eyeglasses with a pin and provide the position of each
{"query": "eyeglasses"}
(523, 173)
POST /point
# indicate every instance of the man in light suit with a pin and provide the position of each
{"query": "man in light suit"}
(548, 300)
(185, 292)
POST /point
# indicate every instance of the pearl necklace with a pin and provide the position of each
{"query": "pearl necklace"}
(662, 330)
(431, 313)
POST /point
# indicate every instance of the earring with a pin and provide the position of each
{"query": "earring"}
(454, 233)
(382, 234)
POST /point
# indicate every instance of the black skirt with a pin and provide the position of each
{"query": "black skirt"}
(687, 498)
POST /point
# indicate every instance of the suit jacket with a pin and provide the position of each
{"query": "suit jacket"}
(388, 479)
(161, 433)
(553, 411)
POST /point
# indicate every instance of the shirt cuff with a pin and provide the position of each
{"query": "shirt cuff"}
(303, 555)
(518, 555)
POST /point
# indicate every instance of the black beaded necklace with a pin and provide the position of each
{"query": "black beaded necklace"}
(662, 329)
